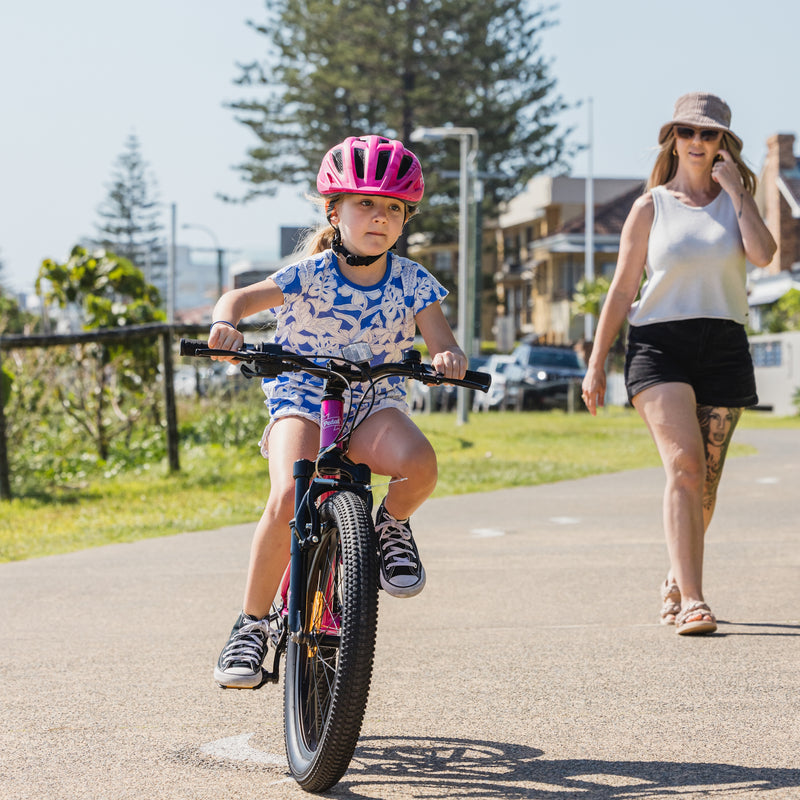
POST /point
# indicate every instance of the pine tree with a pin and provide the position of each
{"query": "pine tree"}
(131, 214)
(352, 67)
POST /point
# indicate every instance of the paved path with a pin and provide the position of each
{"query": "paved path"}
(532, 666)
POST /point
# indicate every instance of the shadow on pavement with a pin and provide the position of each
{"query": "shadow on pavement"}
(463, 768)
(780, 629)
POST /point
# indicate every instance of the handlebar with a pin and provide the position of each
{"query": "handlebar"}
(269, 360)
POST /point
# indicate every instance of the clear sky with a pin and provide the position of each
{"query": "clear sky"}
(77, 78)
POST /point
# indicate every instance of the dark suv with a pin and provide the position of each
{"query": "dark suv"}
(544, 375)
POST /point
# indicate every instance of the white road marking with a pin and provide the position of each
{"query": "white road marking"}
(768, 480)
(486, 533)
(237, 748)
(565, 520)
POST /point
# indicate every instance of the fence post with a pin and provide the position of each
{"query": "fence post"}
(169, 400)
(5, 475)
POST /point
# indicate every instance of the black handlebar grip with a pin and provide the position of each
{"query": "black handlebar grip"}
(189, 347)
(482, 379)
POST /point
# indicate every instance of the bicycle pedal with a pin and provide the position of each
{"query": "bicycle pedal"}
(267, 677)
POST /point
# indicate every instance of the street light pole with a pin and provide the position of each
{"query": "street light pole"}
(468, 138)
(588, 319)
(220, 255)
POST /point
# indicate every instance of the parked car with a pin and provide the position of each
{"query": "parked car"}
(422, 397)
(546, 375)
(497, 397)
(200, 380)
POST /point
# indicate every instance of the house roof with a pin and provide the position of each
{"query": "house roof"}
(608, 217)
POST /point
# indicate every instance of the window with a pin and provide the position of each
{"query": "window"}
(767, 354)
(443, 262)
(569, 272)
(511, 251)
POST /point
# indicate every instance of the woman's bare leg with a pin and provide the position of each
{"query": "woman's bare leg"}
(670, 412)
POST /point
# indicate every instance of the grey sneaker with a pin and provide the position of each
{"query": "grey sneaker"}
(239, 665)
(402, 573)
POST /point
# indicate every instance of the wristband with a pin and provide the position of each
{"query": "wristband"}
(224, 322)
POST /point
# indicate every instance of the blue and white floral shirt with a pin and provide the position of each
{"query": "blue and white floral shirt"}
(322, 311)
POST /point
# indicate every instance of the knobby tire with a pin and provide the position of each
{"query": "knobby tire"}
(328, 676)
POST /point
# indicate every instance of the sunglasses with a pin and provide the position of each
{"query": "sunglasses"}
(684, 132)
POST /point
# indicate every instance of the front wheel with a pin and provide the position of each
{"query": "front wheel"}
(329, 668)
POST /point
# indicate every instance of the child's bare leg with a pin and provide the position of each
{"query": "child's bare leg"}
(391, 444)
(290, 439)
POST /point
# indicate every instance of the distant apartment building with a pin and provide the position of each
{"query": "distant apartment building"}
(197, 285)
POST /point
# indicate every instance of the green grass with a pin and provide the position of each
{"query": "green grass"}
(220, 486)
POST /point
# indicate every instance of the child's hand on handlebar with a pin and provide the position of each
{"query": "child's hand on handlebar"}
(450, 363)
(224, 336)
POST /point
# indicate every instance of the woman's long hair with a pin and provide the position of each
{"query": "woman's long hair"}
(667, 163)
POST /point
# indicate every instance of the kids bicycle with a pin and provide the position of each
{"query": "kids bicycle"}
(325, 614)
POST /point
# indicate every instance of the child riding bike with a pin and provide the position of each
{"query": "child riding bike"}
(348, 288)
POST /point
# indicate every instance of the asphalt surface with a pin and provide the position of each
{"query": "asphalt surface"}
(532, 666)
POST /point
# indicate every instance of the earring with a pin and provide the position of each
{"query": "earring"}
(674, 151)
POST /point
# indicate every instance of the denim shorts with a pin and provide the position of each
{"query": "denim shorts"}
(711, 355)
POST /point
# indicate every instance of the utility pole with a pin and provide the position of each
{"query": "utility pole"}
(588, 320)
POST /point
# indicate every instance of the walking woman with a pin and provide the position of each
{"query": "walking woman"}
(688, 370)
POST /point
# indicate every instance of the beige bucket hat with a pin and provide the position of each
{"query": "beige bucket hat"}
(700, 110)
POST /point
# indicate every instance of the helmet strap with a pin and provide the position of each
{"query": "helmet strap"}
(352, 259)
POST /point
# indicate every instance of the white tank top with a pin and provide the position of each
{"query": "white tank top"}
(695, 263)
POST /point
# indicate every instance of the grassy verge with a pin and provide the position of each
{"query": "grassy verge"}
(220, 486)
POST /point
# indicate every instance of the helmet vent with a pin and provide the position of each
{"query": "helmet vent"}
(338, 160)
(358, 162)
(383, 162)
(405, 166)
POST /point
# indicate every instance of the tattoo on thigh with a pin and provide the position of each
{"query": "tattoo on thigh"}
(716, 426)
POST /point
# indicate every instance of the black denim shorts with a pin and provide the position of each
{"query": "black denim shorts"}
(711, 355)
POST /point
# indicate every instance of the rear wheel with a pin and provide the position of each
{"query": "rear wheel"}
(328, 671)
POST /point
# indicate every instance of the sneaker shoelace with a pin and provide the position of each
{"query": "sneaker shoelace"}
(248, 645)
(397, 546)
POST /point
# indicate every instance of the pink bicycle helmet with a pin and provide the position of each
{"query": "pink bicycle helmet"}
(371, 165)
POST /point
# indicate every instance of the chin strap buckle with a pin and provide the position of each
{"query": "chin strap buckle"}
(350, 258)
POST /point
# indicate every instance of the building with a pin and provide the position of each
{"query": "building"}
(196, 292)
(778, 200)
(540, 242)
